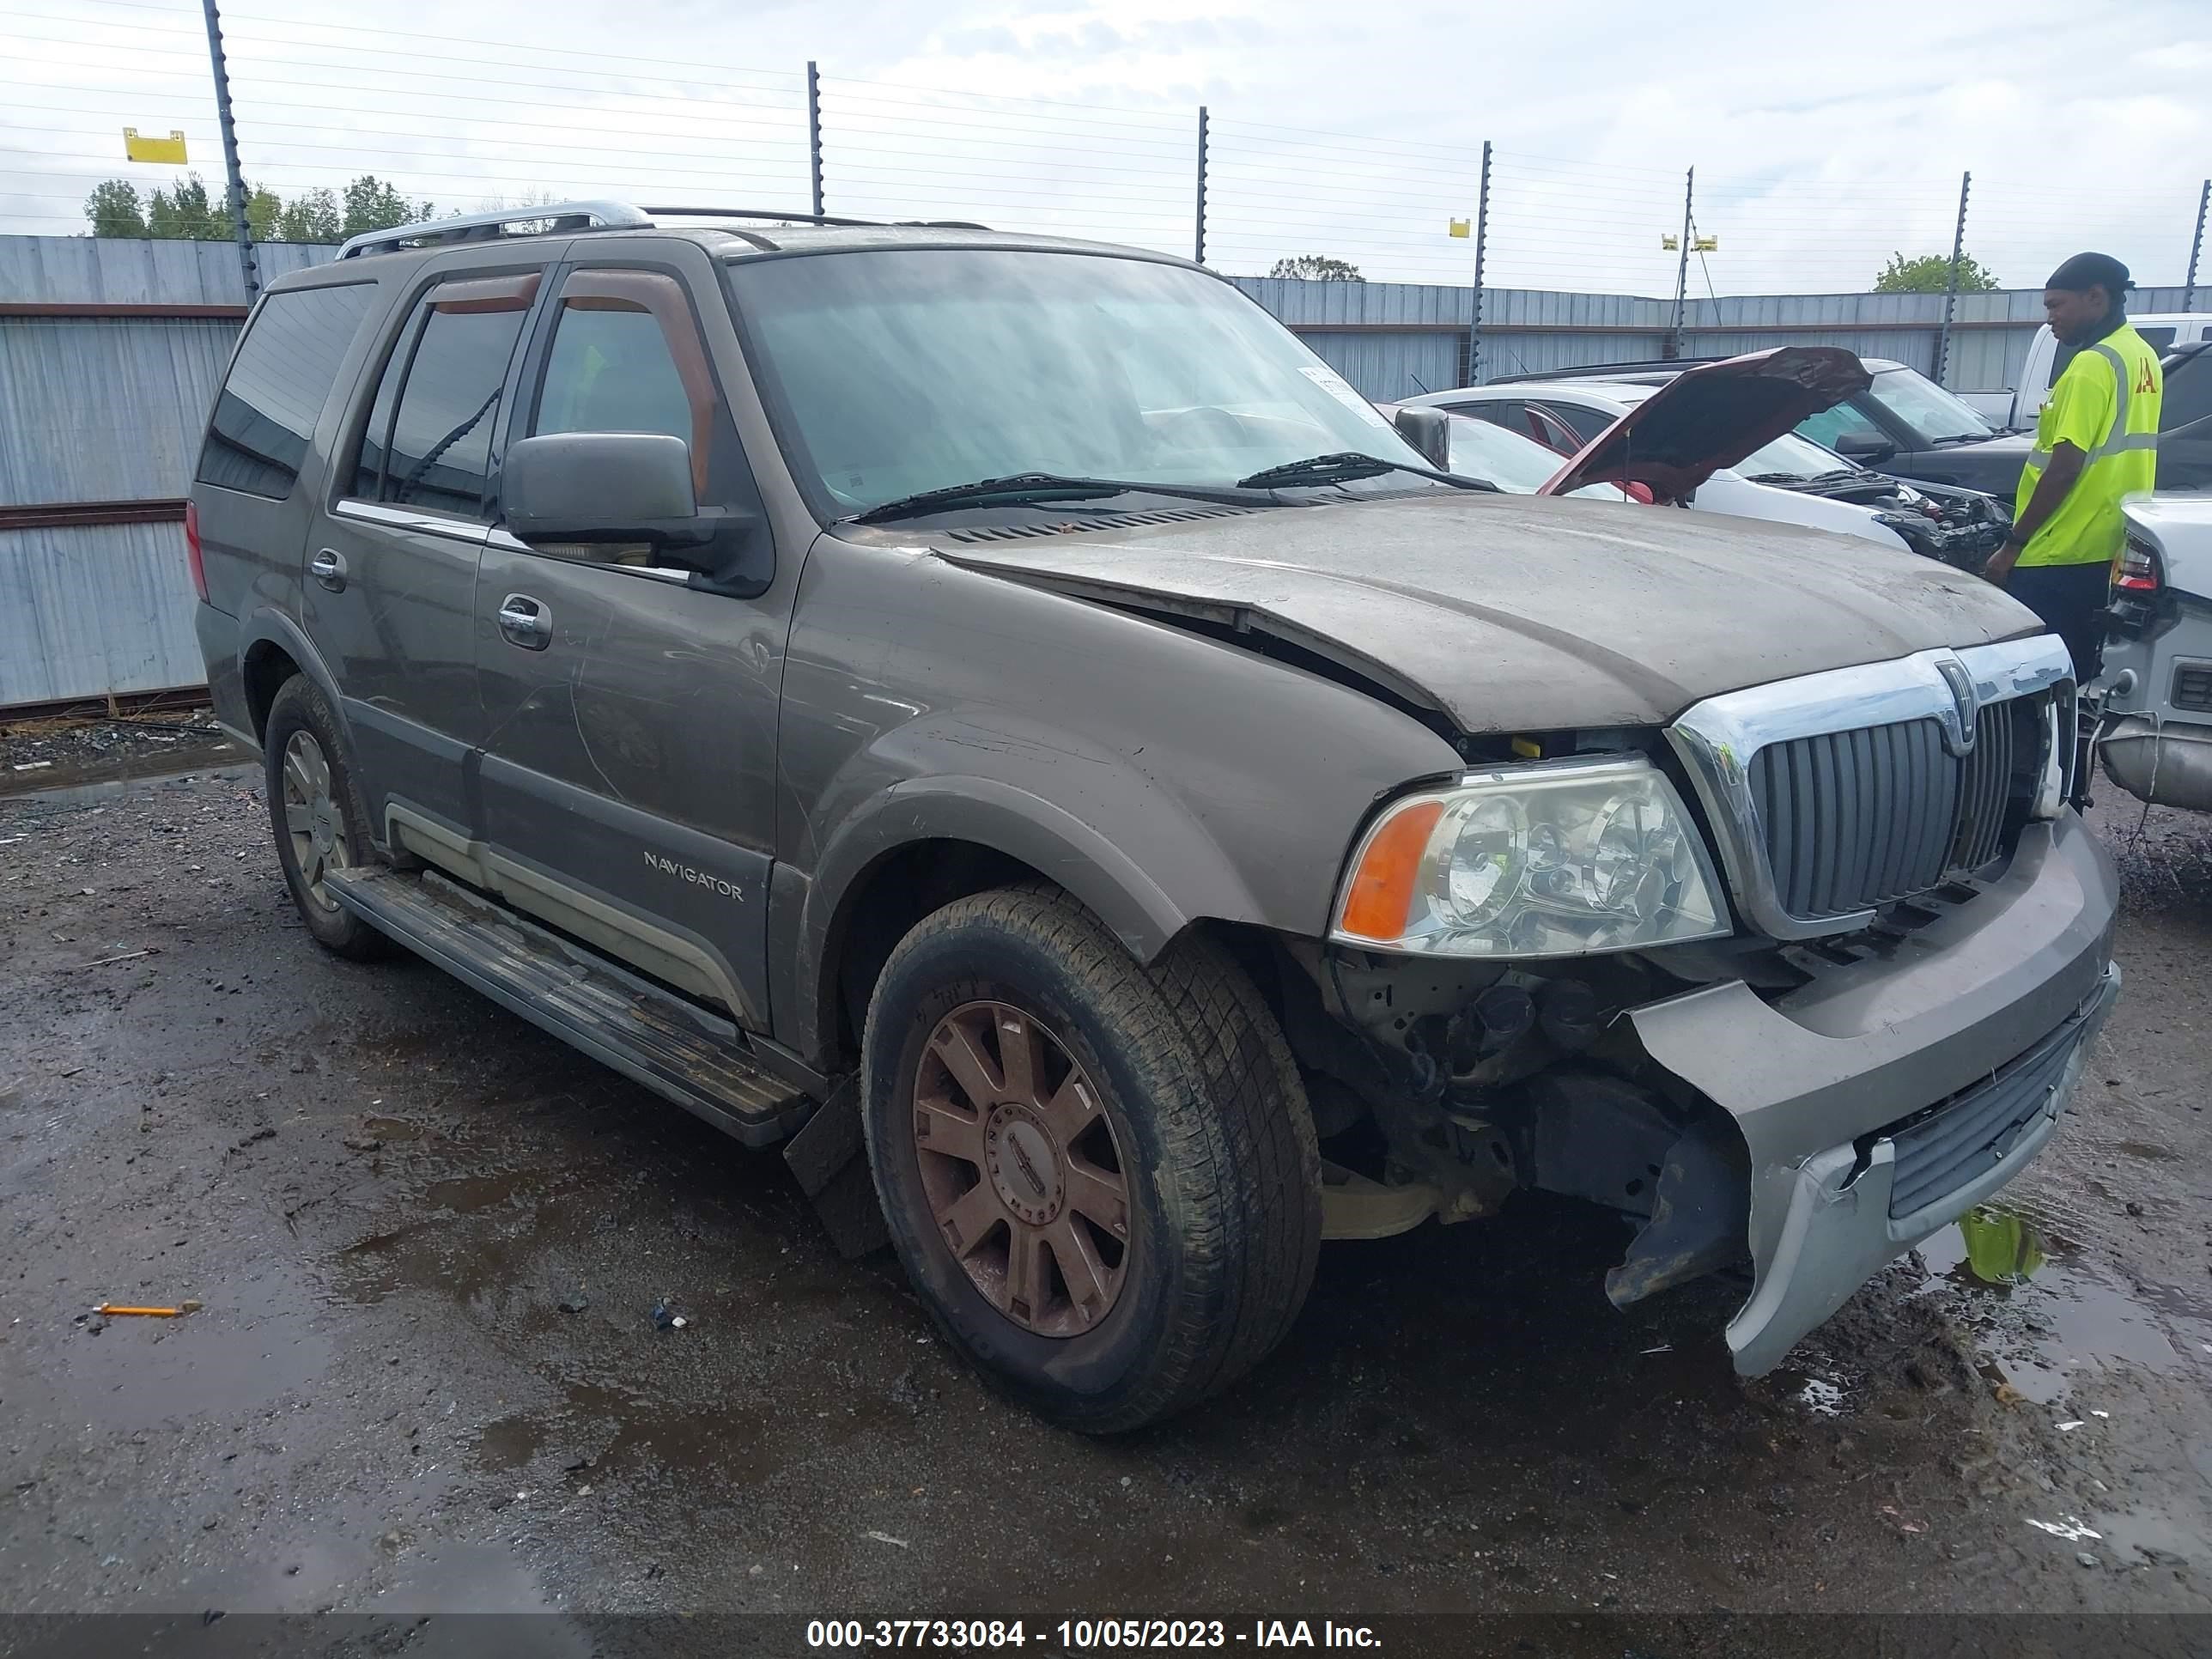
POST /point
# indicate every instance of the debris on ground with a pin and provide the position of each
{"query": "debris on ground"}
(885, 1538)
(2071, 1528)
(665, 1316)
(114, 1312)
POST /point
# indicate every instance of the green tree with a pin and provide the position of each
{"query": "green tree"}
(1317, 268)
(185, 213)
(1931, 274)
(114, 210)
(264, 208)
(375, 203)
(312, 215)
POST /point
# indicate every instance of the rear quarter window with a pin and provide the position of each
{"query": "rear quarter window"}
(266, 415)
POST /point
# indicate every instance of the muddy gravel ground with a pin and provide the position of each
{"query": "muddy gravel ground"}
(425, 1376)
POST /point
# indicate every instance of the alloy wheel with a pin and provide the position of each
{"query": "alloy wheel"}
(1022, 1167)
(311, 817)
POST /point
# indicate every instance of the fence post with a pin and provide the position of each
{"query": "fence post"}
(1682, 270)
(1951, 284)
(2195, 248)
(241, 226)
(1482, 239)
(814, 133)
(1199, 253)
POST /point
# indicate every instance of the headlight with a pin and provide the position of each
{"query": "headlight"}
(1552, 860)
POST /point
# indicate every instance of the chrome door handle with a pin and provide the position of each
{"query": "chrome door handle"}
(328, 568)
(526, 623)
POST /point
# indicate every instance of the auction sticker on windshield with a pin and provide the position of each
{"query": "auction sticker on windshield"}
(1340, 389)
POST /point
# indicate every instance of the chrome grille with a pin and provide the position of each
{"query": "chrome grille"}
(2004, 733)
(1857, 818)
(1835, 793)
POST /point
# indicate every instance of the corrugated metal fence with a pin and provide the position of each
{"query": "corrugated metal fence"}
(110, 353)
(1394, 339)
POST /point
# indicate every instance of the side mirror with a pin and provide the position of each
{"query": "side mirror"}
(1428, 430)
(598, 487)
(1872, 451)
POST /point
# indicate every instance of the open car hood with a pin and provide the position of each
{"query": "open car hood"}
(1712, 417)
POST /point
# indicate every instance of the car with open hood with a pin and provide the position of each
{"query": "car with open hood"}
(1711, 434)
(998, 719)
(1748, 414)
(1900, 422)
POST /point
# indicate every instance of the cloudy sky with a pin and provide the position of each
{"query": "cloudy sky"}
(1352, 130)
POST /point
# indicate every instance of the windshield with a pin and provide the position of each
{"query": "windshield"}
(912, 369)
(1932, 413)
(1482, 450)
(1792, 457)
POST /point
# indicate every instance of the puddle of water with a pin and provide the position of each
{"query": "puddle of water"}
(69, 785)
(249, 1346)
(658, 1436)
(2066, 1317)
(510, 1442)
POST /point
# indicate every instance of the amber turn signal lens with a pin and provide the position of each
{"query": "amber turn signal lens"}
(1381, 890)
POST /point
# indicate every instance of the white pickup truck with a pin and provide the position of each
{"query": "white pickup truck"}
(2016, 407)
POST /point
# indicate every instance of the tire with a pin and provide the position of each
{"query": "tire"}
(1205, 1128)
(317, 815)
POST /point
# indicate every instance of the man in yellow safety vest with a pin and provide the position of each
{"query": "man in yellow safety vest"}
(2096, 443)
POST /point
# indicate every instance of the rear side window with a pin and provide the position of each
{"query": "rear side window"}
(428, 442)
(2188, 392)
(266, 415)
(1586, 424)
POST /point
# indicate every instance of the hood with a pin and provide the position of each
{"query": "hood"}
(1514, 613)
(1712, 417)
(1992, 464)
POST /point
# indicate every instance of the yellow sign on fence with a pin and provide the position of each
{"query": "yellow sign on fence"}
(171, 148)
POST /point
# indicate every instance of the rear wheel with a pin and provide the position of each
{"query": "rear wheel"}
(316, 813)
(1101, 1176)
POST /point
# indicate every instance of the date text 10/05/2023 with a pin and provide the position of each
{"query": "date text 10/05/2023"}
(1086, 1634)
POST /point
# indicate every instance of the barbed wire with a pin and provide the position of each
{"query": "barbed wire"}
(319, 104)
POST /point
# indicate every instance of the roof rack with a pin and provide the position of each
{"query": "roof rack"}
(810, 218)
(571, 217)
(489, 227)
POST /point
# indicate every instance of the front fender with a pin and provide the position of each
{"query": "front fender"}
(1158, 874)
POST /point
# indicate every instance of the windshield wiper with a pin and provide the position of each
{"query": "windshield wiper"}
(1026, 489)
(1962, 438)
(1344, 466)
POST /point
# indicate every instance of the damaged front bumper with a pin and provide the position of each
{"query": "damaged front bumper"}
(1886, 1098)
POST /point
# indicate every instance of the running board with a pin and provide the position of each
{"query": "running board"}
(649, 1034)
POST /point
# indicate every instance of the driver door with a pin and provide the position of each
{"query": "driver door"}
(629, 749)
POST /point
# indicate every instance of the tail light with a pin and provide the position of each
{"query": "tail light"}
(2139, 572)
(192, 554)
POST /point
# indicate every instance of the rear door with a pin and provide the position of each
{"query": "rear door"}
(252, 507)
(391, 565)
(629, 749)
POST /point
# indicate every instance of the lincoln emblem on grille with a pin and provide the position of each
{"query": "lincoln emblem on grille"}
(1958, 730)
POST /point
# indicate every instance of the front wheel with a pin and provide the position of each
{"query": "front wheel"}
(1101, 1176)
